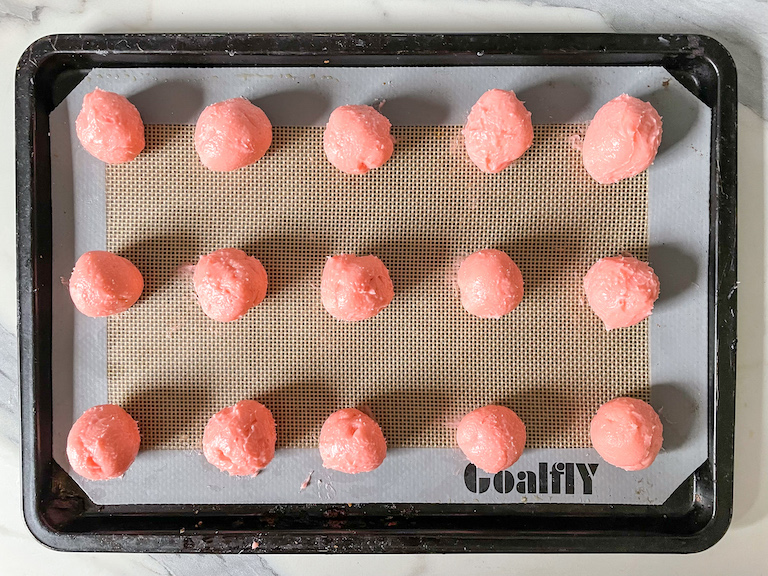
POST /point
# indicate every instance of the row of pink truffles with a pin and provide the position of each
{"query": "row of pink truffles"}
(240, 439)
(228, 283)
(621, 142)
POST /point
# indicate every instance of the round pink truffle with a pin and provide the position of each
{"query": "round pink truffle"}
(621, 290)
(352, 442)
(622, 139)
(103, 284)
(498, 131)
(103, 443)
(228, 283)
(240, 439)
(355, 287)
(491, 437)
(490, 284)
(357, 139)
(627, 433)
(109, 127)
(232, 134)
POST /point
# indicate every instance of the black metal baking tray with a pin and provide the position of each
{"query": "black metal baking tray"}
(61, 516)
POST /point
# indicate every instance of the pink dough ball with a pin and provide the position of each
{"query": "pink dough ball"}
(109, 127)
(232, 134)
(627, 433)
(357, 139)
(103, 284)
(498, 131)
(621, 290)
(355, 287)
(490, 284)
(491, 437)
(103, 443)
(622, 139)
(240, 439)
(228, 283)
(352, 442)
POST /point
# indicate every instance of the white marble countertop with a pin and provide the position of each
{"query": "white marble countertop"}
(743, 28)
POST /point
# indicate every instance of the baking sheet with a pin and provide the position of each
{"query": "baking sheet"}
(678, 233)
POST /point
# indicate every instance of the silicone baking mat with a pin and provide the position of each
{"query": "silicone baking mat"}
(423, 362)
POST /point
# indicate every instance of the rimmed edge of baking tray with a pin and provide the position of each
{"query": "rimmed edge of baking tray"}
(60, 516)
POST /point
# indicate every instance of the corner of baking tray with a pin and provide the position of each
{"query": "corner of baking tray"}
(39, 527)
(36, 55)
(712, 532)
(700, 45)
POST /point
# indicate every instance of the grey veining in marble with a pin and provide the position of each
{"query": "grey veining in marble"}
(182, 565)
(9, 390)
(740, 25)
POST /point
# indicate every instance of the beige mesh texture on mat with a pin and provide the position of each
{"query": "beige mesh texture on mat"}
(420, 364)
